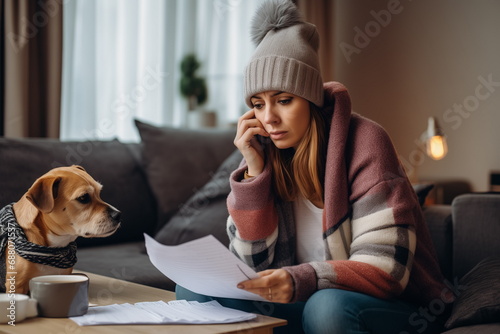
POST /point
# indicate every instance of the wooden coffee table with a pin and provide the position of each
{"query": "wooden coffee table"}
(106, 290)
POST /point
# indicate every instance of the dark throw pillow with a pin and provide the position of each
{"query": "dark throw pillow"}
(479, 298)
(205, 212)
(180, 161)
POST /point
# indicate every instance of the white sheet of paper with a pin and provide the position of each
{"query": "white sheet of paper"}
(204, 266)
(160, 312)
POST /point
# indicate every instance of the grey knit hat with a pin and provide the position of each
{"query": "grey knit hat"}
(286, 57)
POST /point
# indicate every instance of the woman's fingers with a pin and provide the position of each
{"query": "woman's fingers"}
(248, 121)
(246, 141)
(274, 285)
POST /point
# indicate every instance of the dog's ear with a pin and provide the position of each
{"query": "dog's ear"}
(43, 193)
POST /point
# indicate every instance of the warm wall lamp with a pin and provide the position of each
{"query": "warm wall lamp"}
(434, 140)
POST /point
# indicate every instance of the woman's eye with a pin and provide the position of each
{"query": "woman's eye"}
(285, 101)
(84, 199)
(257, 106)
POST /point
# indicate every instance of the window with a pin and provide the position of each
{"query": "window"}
(121, 61)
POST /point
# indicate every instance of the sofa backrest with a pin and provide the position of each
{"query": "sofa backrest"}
(476, 230)
(438, 218)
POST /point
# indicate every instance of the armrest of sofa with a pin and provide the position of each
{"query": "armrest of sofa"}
(476, 228)
(438, 219)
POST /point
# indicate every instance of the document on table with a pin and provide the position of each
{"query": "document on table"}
(204, 266)
(162, 313)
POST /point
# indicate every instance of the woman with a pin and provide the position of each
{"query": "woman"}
(320, 205)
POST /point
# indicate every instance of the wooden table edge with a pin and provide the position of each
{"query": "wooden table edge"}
(104, 290)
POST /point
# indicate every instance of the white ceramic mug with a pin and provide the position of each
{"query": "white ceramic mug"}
(60, 296)
(16, 307)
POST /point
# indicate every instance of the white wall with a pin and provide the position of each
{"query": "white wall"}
(423, 60)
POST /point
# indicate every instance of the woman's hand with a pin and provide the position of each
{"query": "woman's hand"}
(247, 143)
(275, 285)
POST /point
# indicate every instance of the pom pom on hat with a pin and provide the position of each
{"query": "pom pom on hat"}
(286, 57)
(273, 15)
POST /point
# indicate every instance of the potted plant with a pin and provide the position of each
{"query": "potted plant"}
(194, 89)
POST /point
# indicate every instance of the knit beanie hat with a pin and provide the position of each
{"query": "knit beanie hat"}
(286, 57)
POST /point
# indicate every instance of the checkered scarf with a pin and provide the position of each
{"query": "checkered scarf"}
(11, 232)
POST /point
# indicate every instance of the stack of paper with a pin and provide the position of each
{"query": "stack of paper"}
(173, 312)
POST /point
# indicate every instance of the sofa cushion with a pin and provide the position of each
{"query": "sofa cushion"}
(109, 162)
(180, 161)
(205, 212)
(124, 261)
(479, 299)
(476, 227)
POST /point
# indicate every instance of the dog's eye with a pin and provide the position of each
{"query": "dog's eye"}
(84, 199)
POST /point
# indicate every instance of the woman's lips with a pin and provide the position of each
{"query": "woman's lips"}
(277, 134)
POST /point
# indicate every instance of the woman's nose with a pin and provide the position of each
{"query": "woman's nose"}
(270, 115)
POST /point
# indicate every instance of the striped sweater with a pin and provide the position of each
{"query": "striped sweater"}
(375, 239)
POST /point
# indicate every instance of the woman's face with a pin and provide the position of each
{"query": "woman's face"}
(285, 117)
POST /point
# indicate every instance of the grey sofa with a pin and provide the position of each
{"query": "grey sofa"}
(173, 186)
(465, 235)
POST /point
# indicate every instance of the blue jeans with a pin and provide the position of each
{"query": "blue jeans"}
(335, 311)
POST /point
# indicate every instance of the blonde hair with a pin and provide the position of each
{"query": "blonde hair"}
(302, 170)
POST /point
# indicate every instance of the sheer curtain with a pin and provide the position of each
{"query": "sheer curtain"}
(121, 61)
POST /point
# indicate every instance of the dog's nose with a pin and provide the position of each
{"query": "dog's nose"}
(114, 214)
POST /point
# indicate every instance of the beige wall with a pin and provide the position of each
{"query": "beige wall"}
(428, 58)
